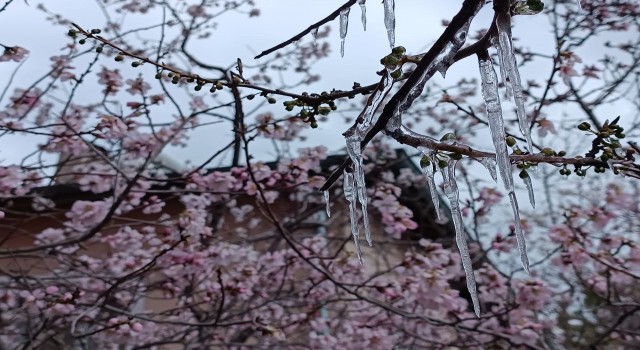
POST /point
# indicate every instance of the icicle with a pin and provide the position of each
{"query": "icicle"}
(529, 185)
(363, 10)
(490, 164)
(355, 153)
(505, 49)
(522, 244)
(350, 195)
(390, 20)
(498, 135)
(451, 190)
(428, 171)
(579, 5)
(344, 26)
(314, 34)
(370, 109)
(326, 202)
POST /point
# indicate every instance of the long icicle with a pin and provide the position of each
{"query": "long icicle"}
(355, 153)
(344, 26)
(491, 98)
(428, 169)
(350, 194)
(505, 50)
(390, 20)
(451, 190)
(327, 202)
(363, 11)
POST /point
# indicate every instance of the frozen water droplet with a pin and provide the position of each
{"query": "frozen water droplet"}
(490, 164)
(529, 185)
(326, 202)
(522, 244)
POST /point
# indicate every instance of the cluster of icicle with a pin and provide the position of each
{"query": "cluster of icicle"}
(389, 21)
(354, 180)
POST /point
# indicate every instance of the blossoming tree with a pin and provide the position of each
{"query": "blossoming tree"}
(105, 245)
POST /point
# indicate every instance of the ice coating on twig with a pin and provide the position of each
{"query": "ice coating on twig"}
(363, 11)
(355, 153)
(344, 26)
(443, 59)
(491, 98)
(579, 5)
(490, 164)
(374, 103)
(429, 172)
(390, 20)
(505, 49)
(529, 186)
(451, 190)
(349, 189)
(325, 194)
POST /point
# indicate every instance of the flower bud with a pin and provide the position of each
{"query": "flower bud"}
(584, 126)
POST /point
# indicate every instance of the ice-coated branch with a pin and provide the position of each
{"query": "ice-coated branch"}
(465, 14)
(333, 15)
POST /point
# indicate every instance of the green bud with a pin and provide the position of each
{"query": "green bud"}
(289, 108)
(135, 64)
(99, 49)
(271, 100)
(250, 97)
(396, 74)
(158, 75)
(72, 33)
(456, 156)
(198, 87)
(219, 86)
(324, 110)
(95, 31)
(119, 58)
(425, 161)
(511, 141)
(584, 126)
(399, 50)
(314, 124)
(620, 135)
(190, 80)
(442, 163)
(524, 174)
(547, 151)
(390, 61)
(562, 154)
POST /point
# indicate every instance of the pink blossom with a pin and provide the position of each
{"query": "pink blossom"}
(15, 53)
(138, 86)
(111, 79)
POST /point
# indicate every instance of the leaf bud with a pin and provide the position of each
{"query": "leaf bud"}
(524, 174)
(511, 141)
(584, 126)
(119, 58)
(547, 151)
(95, 31)
(399, 50)
(425, 161)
